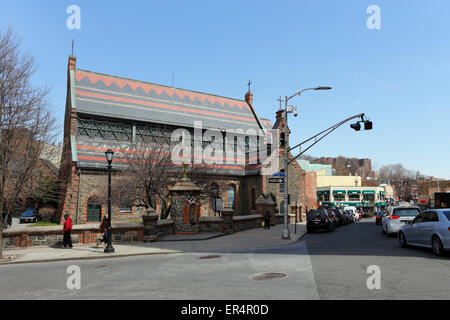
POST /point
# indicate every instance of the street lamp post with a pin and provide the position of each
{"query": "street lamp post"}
(287, 110)
(109, 157)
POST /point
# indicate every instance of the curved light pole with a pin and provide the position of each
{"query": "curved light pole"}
(109, 157)
(290, 109)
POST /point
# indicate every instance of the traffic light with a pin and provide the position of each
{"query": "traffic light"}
(356, 126)
(367, 125)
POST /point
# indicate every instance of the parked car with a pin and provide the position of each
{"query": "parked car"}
(379, 217)
(319, 219)
(398, 216)
(349, 217)
(334, 218)
(356, 216)
(340, 217)
(430, 229)
(30, 215)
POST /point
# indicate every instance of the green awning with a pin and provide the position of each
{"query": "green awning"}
(381, 204)
(368, 192)
(329, 204)
(339, 191)
(354, 192)
(352, 204)
(381, 192)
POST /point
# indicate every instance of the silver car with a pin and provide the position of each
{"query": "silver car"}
(397, 216)
(430, 229)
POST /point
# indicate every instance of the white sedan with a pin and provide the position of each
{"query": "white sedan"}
(398, 216)
(430, 229)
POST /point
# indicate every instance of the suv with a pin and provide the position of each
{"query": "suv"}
(319, 219)
(397, 216)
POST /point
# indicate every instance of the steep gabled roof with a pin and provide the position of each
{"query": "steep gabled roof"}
(106, 95)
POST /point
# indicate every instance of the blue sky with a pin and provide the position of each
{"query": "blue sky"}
(398, 76)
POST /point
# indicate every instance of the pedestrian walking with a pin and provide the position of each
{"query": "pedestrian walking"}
(267, 220)
(104, 231)
(67, 230)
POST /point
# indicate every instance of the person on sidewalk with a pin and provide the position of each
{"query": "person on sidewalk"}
(267, 220)
(67, 230)
(104, 231)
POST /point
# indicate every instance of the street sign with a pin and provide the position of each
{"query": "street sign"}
(279, 174)
(276, 180)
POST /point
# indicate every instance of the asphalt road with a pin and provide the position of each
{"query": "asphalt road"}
(320, 266)
(175, 276)
(340, 260)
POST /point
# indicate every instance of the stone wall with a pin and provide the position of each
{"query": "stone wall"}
(241, 223)
(85, 234)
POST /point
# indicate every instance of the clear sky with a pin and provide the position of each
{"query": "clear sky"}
(398, 75)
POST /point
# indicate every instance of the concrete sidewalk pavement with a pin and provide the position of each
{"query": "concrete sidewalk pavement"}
(244, 240)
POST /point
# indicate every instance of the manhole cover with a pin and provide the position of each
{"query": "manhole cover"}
(269, 276)
(210, 257)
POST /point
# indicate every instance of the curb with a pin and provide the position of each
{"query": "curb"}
(200, 239)
(88, 258)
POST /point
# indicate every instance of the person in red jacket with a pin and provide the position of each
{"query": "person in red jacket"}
(67, 230)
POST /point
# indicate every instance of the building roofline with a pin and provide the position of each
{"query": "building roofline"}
(159, 85)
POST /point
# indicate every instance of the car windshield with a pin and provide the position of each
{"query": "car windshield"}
(406, 212)
(28, 213)
(447, 215)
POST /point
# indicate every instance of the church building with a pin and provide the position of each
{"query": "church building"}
(110, 112)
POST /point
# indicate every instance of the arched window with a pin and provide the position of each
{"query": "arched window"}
(94, 210)
(213, 193)
(231, 195)
(253, 199)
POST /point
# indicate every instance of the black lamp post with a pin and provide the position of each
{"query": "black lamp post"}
(109, 157)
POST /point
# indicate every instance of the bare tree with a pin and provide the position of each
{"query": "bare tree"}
(26, 123)
(149, 175)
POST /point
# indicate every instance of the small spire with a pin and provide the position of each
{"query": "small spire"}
(249, 84)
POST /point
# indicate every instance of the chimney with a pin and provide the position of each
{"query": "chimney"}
(249, 98)
(72, 63)
(279, 115)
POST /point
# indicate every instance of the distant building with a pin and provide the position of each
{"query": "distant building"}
(426, 189)
(319, 169)
(336, 181)
(368, 198)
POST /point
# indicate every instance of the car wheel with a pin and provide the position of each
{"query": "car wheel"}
(402, 240)
(436, 244)
(382, 228)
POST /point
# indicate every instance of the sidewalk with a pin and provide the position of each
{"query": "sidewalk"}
(249, 239)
